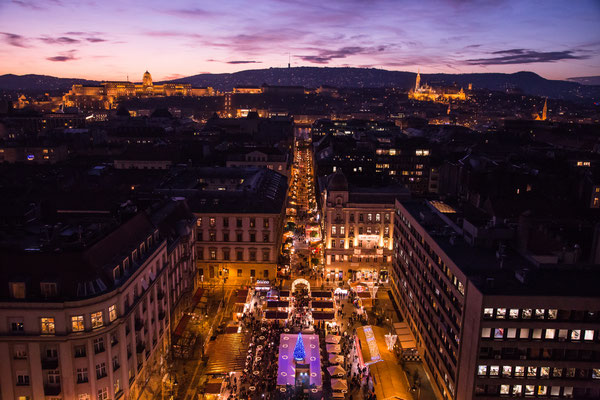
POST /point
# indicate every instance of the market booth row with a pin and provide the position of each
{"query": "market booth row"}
(386, 374)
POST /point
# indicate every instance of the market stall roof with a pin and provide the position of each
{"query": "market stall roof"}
(336, 359)
(384, 369)
(181, 325)
(332, 338)
(321, 294)
(276, 314)
(213, 386)
(241, 296)
(326, 316)
(339, 384)
(334, 348)
(197, 296)
(227, 353)
(277, 304)
(322, 304)
(336, 370)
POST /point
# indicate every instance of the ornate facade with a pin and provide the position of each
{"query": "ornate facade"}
(107, 94)
(427, 93)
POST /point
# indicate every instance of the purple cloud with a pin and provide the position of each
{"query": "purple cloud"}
(66, 56)
(324, 56)
(244, 62)
(188, 12)
(15, 40)
(524, 56)
(58, 40)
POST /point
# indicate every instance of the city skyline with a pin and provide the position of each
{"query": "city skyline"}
(111, 41)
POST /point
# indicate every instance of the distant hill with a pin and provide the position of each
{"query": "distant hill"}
(586, 80)
(525, 82)
(39, 83)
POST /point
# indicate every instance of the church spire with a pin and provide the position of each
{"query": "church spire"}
(418, 82)
(545, 110)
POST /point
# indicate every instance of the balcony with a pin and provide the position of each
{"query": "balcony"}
(51, 363)
(138, 324)
(52, 390)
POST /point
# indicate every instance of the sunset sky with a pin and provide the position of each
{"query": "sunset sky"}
(106, 39)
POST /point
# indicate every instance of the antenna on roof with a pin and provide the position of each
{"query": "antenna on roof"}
(289, 60)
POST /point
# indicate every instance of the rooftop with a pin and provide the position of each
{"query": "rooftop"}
(503, 272)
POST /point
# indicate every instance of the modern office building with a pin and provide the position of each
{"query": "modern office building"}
(86, 307)
(358, 227)
(490, 323)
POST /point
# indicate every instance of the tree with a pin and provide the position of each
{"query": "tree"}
(299, 353)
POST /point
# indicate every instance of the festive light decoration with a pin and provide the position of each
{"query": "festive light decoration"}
(299, 352)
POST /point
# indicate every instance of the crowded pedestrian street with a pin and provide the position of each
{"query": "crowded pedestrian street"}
(301, 335)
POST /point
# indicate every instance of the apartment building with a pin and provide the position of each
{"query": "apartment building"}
(239, 225)
(489, 323)
(358, 226)
(87, 314)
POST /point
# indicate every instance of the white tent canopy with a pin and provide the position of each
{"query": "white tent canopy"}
(339, 384)
(336, 370)
(334, 348)
(333, 339)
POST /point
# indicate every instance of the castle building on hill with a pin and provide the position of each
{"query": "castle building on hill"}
(107, 94)
(427, 93)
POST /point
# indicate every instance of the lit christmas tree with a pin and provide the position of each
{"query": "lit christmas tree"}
(299, 352)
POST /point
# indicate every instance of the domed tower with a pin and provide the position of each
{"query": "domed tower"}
(337, 189)
(147, 79)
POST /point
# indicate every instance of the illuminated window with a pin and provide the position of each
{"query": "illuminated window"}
(524, 333)
(588, 335)
(501, 313)
(531, 372)
(488, 312)
(575, 334)
(550, 333)
(552, 314)
(539, 313)
(498, 333)
(333, 230)
(526, 313)
(112, 313)
(513, 313)
(506, 371)
(504, 389)
(77, 323)
(494, 370)
(97, 321)
(519, 371)
(48, 327)
(517, 390)
(544, 372)
(482, 370)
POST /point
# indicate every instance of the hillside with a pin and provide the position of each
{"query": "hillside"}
(525, 82)
(38, 83)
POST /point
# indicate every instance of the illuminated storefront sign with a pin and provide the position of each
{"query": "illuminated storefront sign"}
(368, 237)
(263, 285)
